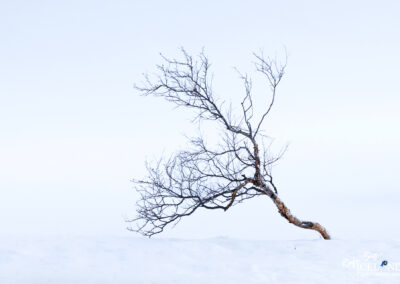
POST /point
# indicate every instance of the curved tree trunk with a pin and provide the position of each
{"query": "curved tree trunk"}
(285, 212)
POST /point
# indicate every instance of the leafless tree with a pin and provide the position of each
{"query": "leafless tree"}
(203, 176)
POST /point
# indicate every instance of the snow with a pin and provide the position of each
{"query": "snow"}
(105, 259)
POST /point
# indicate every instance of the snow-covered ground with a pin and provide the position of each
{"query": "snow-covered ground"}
(218, 260)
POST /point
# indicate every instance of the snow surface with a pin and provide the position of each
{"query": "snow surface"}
(219, 260)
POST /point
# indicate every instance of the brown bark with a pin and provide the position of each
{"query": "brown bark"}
(285, 212)
(234, 194)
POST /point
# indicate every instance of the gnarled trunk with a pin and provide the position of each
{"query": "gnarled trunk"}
(285, 213)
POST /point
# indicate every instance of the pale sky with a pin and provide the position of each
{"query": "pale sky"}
(74, 132)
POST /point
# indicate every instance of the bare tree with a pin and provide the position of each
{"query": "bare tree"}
(203, 176)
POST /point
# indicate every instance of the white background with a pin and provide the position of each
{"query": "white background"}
(73, 131)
